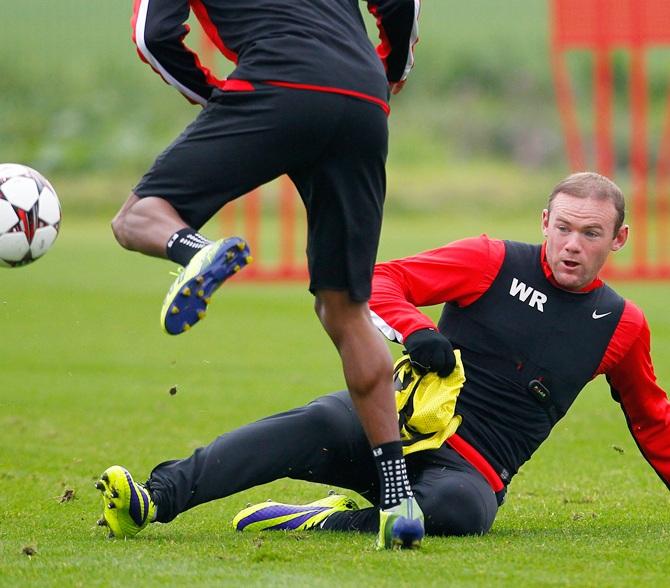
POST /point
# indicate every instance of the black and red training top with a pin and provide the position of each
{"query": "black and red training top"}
(317, 45)
(463, 273)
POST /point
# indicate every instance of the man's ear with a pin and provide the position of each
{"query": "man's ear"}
(620, 238)
(545, 222)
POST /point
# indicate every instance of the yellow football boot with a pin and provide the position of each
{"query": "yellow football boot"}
(127, 505)
(401, 527)
(187, 299)
(271, 515)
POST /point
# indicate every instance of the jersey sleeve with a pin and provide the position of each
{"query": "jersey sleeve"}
(397, 21)
(159, 30)
(459, 272)
(643, 402)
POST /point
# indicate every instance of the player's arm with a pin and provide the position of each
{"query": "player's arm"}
(644, 403)
(397, 21)
(158, 32)
(459, 272)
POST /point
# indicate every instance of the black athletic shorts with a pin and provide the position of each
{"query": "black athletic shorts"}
(332, 146)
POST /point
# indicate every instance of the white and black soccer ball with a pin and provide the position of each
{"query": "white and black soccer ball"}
(29, 215)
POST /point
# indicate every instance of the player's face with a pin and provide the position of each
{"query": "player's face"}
(580, 236)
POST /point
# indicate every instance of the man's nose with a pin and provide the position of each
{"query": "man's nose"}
(573, 242)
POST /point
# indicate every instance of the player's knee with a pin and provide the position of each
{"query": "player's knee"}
(328, 318)
(118, 230)
(458, 509)
(318, 414)
(319, 307)
(337, 312)
(327, 414)
(464, 518)
(124, 221)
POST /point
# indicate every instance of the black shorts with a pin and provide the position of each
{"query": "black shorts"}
(333, 147)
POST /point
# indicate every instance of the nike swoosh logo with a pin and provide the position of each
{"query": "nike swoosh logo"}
(597, 316)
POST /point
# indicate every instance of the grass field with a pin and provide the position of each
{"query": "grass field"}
(85, 383)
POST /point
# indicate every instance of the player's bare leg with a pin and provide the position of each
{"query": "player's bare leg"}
(366, 362)
(368, 372)
(152, 226)
(146, 225)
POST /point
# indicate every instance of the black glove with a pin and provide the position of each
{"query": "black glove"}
(429, 351)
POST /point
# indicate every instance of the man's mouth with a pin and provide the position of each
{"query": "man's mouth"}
(570, 264)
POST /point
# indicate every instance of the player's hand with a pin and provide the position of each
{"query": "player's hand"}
(396, 87)
(431, 352)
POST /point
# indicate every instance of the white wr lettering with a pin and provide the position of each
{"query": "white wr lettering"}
(519, 290)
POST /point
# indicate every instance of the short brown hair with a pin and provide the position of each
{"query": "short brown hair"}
(592, 185)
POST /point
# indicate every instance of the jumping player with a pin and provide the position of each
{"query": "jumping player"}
(308, 98)
(534, 324)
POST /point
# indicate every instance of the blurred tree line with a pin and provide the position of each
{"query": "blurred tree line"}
(75, 97)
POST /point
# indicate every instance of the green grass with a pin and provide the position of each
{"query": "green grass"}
(85, 383)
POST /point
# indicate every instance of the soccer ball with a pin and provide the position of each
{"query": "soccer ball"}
(29, 215)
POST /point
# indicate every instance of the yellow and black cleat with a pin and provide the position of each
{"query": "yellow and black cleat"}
(204, 274)
(127, 505)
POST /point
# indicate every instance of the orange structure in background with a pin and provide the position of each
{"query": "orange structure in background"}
(288, 266)
(601, 27)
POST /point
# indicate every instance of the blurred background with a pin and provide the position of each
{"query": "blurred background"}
(476, 133)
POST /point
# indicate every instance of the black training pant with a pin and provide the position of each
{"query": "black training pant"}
(324, 442)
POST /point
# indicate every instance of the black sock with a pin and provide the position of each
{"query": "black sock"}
(184, 244)
(394, 484)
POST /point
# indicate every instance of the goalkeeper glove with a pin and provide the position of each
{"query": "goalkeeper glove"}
(430, 351)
